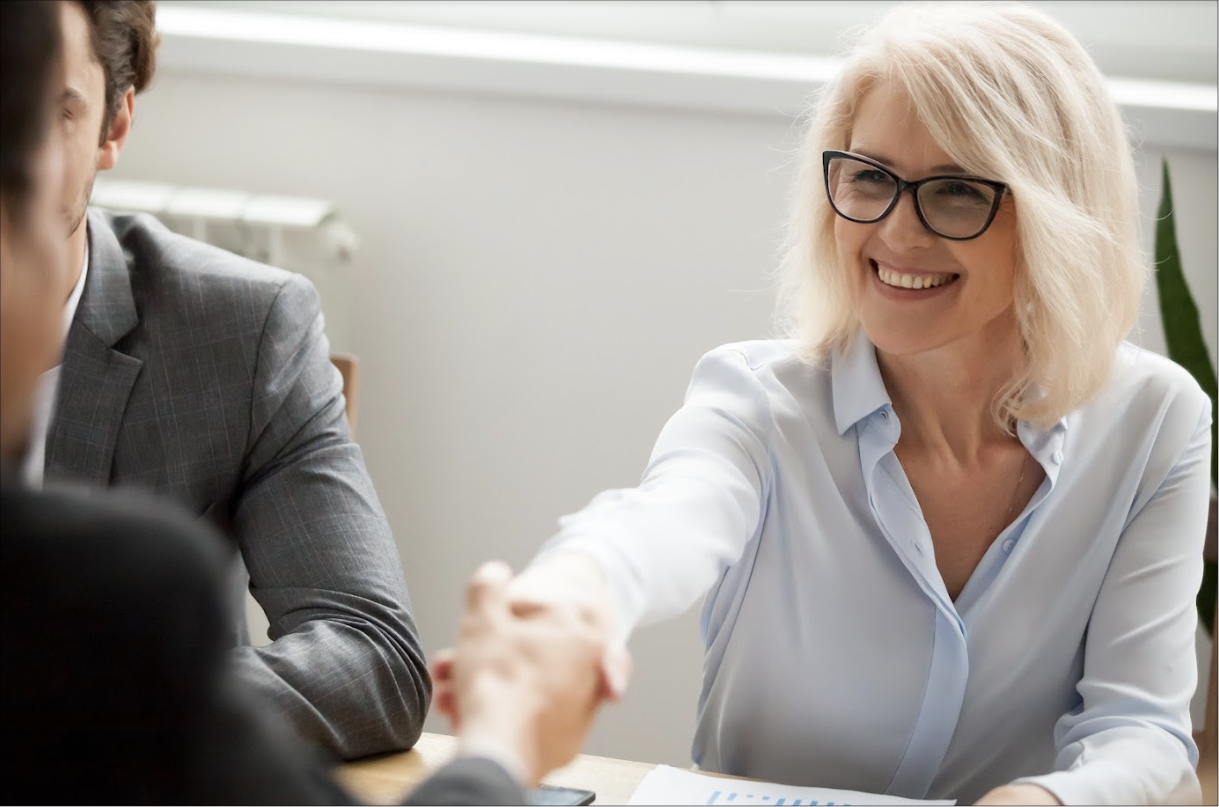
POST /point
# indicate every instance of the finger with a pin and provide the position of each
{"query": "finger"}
(525, 608)
(616, 668)
(489, 584)
(526, 596)
(442, 665)
(445, 702)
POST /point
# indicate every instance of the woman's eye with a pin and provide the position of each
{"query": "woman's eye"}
(872, 177)
(960, 190)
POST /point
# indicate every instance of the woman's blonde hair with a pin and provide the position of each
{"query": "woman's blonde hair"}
(1008, 94)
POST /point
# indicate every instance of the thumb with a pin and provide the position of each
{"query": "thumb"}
(488, 585)
(616, 667)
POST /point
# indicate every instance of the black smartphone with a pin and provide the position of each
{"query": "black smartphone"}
(549, 794)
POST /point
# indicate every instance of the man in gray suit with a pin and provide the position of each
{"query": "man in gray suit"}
(206, 377)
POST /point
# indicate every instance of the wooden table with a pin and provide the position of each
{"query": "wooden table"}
(387, 779)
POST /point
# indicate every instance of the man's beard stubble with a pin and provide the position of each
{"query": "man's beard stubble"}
(76, 216)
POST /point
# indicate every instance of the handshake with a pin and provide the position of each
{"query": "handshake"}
(536, 655)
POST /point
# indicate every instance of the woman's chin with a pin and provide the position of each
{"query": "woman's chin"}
(906, 339)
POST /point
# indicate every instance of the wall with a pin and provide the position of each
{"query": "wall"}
(1166, 39)
(536, 281)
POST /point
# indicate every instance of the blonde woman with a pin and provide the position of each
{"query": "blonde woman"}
(949, 533)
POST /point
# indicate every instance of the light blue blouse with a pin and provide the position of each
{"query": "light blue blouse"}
(834, 655)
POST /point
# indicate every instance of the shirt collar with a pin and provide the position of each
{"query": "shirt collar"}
(859, 392)
(69, 312)
(1046, 445)
(857, 386)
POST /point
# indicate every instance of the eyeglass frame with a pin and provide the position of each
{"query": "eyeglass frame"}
(1000, 189)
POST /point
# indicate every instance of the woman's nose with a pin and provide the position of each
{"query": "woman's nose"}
(902, 229)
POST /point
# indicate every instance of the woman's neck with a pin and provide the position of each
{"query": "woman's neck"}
(945, 397)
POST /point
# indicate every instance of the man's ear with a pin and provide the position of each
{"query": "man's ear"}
(120, 127)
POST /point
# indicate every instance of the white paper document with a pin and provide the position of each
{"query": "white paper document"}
(665, 785)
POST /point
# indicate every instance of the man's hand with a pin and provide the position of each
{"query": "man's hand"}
(573, 583)
(523, 682)
(1019, 794)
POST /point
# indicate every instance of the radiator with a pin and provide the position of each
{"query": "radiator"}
(292, 232)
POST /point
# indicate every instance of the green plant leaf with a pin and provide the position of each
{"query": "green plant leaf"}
(1183, 336)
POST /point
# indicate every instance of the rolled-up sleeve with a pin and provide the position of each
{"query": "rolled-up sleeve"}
(663, 544)
(1129, 742)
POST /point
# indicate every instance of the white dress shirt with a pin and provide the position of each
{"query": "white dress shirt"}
(834, 655)
(34, 462)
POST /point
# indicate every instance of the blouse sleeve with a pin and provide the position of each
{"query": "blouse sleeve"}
(663, 544)
(1129, 742)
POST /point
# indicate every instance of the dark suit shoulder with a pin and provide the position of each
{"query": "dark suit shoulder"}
(92, 530)
(468, 780)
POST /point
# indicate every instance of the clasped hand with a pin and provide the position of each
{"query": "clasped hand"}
(536, 655)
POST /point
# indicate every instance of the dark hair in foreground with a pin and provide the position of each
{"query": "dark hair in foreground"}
(29, 46)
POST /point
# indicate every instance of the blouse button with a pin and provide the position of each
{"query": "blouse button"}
(1008, 545)
(1056, 456)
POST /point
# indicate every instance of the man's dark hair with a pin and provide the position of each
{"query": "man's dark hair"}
(29, 48)
(124, 37)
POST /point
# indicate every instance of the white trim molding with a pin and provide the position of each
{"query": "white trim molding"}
(223, 41)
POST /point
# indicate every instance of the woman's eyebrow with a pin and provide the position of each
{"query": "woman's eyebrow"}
(951, 168)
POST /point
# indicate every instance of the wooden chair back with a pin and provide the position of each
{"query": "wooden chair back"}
(349, 368)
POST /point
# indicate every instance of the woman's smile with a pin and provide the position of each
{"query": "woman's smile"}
(907, 284)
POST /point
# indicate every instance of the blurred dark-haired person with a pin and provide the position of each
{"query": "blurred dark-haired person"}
(32, 251)
(205, 378)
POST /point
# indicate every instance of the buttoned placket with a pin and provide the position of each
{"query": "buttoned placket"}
(900, 518)
(897, 512)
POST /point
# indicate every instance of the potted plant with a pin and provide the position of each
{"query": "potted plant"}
(1183, 336)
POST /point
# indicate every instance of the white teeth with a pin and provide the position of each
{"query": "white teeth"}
(903, 281)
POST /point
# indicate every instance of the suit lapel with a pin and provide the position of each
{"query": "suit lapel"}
(95, 379)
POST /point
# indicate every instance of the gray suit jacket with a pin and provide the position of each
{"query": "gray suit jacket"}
(205, 377)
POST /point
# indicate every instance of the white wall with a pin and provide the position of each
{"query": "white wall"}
(1167, 39)
(535, 284)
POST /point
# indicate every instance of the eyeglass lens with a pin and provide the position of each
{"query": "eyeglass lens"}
(956, 208)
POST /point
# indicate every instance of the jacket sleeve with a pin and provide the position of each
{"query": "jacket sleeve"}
(344, 666)
(468, 780)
